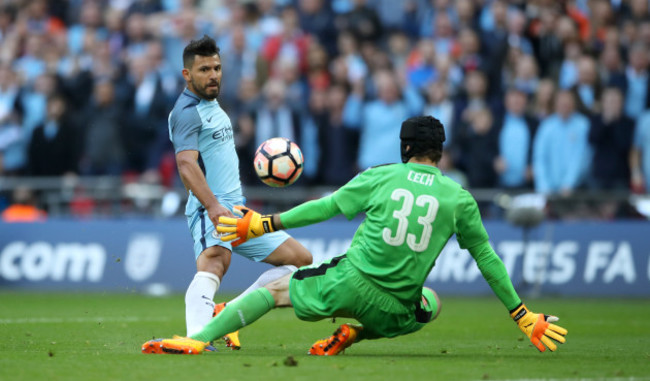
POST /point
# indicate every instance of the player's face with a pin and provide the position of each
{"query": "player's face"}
(204, 77)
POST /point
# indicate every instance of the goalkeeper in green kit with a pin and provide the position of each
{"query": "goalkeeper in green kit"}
(411, 212)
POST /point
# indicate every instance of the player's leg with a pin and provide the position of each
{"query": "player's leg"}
(381, 316)
(308, 291)
(286, 254)
(329, 289)
(212, 264)
(247, 310)
(232, 338)
(212, 261)
(267, 277)
(384, 318)
(308, 286)
(290, 252)
(278, 249)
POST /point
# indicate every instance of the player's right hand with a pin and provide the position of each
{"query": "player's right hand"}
(538, 328)
(217, 211)
(250, 225)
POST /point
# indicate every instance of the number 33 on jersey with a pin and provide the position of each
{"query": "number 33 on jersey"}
(411, 212)
(402, 215)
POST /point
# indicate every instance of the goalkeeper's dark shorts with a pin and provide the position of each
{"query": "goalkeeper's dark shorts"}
(336, 289)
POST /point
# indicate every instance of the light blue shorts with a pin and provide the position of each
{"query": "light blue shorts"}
(204, 236)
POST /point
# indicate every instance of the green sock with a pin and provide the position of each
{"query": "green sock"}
(237, 315)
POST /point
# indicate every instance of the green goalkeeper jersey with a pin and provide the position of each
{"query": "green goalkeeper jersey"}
(411, 212)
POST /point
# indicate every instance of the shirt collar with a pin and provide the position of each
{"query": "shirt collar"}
(425, 167)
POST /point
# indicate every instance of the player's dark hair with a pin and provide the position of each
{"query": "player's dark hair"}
(204, 47)
(422, 136)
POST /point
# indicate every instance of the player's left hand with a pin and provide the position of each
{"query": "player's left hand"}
(538, 328)
(250, 225)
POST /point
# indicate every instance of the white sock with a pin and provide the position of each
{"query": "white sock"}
(199, 303)
(267, 277)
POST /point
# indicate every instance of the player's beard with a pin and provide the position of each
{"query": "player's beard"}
(206, 93)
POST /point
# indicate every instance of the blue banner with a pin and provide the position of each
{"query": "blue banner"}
(558, 258)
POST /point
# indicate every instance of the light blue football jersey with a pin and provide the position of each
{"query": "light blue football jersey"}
(201, 125)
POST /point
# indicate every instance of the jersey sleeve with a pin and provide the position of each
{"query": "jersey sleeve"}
(353, 197)
(469, 227)
(184, 129)
(309, 213)
(495, 274)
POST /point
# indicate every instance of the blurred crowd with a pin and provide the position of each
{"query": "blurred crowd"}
(542, 94)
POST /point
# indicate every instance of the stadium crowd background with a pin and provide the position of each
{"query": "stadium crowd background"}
(551, 96)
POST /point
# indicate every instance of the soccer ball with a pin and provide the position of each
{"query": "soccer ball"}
(278, 162)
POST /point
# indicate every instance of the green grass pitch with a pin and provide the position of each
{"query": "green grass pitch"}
(98, 337)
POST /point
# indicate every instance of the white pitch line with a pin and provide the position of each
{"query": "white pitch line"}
(94, 319)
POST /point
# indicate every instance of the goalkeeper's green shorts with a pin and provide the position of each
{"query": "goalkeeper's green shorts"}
(336, 289)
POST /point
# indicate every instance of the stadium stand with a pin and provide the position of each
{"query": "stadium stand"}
(86, 86)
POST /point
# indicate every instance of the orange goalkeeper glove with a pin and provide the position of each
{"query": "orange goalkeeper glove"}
(250, 225)
(538, 328)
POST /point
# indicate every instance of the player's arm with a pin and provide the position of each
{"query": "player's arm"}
(253, 224)
(349, 200)
(193, 177)
(471, 235)
(194, 180)
(494, 272)
(537, 327)
(184, 127)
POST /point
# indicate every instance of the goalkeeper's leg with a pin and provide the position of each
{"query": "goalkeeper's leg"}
(232, 338)
(266, 278)
(426, 310)
(380, 325)
(389, 321)
(247, 310)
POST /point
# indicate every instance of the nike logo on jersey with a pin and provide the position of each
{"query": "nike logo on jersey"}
(209, 119)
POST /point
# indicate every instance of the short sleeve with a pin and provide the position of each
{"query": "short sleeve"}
(353, 197)
(469, 227)
(184, 129)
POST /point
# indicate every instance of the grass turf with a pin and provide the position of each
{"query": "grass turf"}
(98, 336)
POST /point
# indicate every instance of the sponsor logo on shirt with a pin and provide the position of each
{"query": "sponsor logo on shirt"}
(223, 134)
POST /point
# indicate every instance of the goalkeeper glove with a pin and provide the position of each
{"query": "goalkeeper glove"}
(250, 225)
(538, 328)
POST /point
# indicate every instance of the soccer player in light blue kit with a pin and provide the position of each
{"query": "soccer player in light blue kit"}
(209, 167)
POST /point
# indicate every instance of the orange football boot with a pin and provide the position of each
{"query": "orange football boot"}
(176, 346)
(342, 338)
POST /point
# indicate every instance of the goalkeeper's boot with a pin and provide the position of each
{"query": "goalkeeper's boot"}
(342, 338)
(176, 346)
(231, 339)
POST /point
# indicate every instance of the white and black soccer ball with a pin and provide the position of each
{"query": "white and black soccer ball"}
(278, 162)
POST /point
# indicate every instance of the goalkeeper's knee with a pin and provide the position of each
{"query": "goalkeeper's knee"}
(429, 307)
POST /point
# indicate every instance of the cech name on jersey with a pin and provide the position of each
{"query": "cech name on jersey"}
(421, 178)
